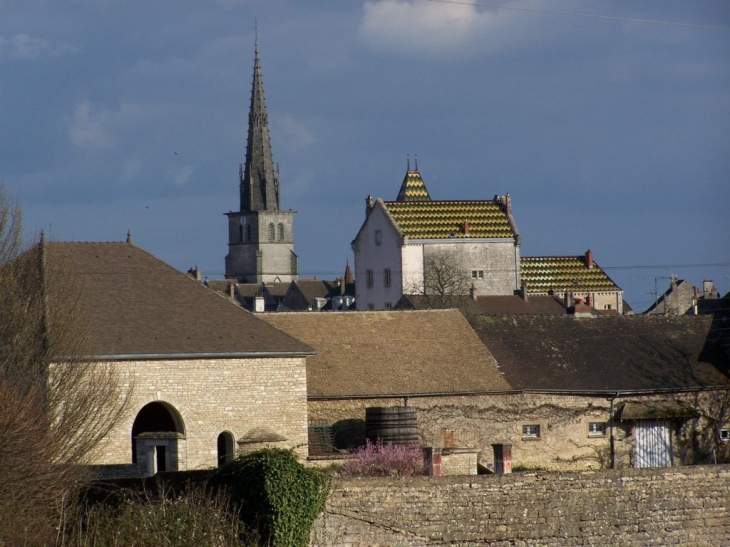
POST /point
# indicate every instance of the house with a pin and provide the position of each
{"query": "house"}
(682, 297)
(571, 277)
(208, 378)
(625, 390)
(260, 233)
(559, 392)
(416, 245)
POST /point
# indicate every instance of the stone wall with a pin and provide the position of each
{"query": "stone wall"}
(566, 441)
(213, 396)
(633, 508)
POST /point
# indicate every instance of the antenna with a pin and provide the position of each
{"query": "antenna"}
(655, 292)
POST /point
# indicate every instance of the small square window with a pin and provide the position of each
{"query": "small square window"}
(477, 274)
(607, 306)
(531, 431)
(597, 429)
(388, 306)
(725, 435)
(371, 307)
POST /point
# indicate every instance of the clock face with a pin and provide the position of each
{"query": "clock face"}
(243, 221)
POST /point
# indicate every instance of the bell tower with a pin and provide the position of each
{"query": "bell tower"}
(260, 234)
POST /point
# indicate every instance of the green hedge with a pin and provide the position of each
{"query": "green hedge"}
(276, 495)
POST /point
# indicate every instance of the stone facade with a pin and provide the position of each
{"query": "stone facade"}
(564, 432)
(633, 508)
(210, 397)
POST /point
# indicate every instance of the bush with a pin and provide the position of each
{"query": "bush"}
(377, 459)
(277, 495)
(192, 519)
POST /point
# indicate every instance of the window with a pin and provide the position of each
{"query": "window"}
(371, 307)
(279, 232)
(370, 278)
(597, 429)
(271, 231)
(607, 306)
(477, 274)
(388, 306)
(725, 435)
(531, 431)
(386, 277)
(378, 237)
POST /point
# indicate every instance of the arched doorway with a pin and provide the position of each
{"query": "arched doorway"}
(226, 450)
(156, 435)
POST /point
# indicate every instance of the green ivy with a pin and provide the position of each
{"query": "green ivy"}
(277, 495)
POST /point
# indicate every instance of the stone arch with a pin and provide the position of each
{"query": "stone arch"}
(157, 432)
(226, 447)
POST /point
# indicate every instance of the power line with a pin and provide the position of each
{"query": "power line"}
(584, 15)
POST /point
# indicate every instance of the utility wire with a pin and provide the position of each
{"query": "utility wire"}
(584, 15)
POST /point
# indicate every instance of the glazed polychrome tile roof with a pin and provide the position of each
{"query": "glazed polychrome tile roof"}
(413, 188)
(559, 273)
(446, 219)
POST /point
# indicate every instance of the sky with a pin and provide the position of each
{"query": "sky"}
(607, 121)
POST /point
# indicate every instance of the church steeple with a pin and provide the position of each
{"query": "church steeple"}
(259, 179)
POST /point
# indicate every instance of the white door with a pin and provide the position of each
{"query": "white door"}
(653, 443)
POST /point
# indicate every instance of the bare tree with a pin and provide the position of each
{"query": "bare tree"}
(445, 283)
(55, 407)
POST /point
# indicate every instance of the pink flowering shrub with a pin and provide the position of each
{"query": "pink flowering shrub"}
(377, 459)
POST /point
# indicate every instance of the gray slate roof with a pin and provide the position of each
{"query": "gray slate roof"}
(136, 305)
(391, 353)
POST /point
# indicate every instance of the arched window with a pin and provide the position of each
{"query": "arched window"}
(226, 451)
(279, 232)
(248, 232)
(271, 232)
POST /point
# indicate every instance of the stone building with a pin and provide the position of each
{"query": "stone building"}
(563, 392)
(571, 278)
(261, 233)
(416, 245)
(208, 378)
(683, 297)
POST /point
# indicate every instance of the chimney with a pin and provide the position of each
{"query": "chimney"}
(466, 227)
(196, 273)
(258, 304)
(709, 290)
(589, 259)
(368, 204)
(523, 291)
(589, 301)
(231, 290)
(580, 309)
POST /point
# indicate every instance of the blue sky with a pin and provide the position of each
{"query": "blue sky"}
(610, 133)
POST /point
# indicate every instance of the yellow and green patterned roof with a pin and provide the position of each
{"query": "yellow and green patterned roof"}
(446, 219)
(413, 188)
(560, 273)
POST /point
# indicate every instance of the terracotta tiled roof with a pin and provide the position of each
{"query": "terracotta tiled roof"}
(619, 353)
(446, 219)
(542, 274)
(136, 305)
(413, 188)
(391, 353)
(516, 305)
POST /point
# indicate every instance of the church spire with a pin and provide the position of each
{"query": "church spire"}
(259, 180)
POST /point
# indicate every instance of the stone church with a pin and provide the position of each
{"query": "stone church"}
(260, 234)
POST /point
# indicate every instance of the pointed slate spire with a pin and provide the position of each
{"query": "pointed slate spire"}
(259, 180)
(413, 187)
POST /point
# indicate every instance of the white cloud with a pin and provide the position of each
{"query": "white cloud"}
(88, 129)
(25, 47)
(429, 27)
